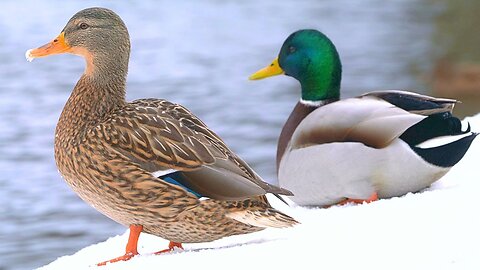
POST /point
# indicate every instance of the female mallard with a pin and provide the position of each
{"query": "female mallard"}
(147, 163)
(358, 149)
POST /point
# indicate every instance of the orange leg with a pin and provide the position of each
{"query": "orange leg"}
(171, 246)
(131, 249)
(372, 198)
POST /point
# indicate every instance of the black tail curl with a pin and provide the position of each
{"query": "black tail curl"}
(436, 125)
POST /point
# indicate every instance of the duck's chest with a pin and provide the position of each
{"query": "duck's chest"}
(118, 188)
(84, 168)
(92, 179)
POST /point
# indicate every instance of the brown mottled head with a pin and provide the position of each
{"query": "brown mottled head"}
(97, 34)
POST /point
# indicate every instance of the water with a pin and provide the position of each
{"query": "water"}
(198, 53)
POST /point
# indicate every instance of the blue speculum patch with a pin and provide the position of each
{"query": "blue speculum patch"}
(171, 178)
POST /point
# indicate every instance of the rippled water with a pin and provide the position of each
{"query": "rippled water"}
(198, 53)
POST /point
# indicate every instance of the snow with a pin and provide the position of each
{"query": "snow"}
(438, 228)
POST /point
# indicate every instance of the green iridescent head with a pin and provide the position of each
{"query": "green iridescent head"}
(310, 57)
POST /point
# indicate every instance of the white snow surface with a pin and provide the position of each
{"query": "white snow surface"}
(438, 228)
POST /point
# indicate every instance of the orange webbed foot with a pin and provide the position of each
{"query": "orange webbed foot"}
(131, 248)
(125, 257)
(171, 246)
(372, 198)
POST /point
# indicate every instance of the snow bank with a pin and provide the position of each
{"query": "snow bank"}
(438, 228)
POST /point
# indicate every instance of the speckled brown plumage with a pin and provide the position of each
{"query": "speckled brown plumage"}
(110, 167)
(110, 151)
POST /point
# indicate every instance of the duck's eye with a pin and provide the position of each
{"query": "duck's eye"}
(83, 26)
(292, 49)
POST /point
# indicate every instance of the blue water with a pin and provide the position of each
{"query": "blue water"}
(198, 53)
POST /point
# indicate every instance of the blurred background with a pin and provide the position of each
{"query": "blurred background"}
(200, 53)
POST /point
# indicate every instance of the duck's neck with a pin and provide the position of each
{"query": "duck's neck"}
(100, 90)
(301, 110)
(321, 80)
(320, 83)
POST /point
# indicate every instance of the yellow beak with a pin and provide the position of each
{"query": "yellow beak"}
(272, 70)
(56, 46)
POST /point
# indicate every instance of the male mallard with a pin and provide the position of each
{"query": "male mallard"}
(359, 149)
(147, 163)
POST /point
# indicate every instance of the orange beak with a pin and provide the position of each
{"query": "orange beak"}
(56, 46)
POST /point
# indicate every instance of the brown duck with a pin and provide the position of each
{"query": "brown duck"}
(149, 164)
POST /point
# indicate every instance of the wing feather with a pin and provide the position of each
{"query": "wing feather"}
(415, 103)
(158, 135)
(366, 119)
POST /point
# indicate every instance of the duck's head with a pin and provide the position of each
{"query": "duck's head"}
(97, 34)
(310, 57)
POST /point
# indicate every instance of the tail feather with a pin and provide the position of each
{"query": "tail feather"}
(436, 125)
(446, 155)
(265, 219)
(259, 214)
